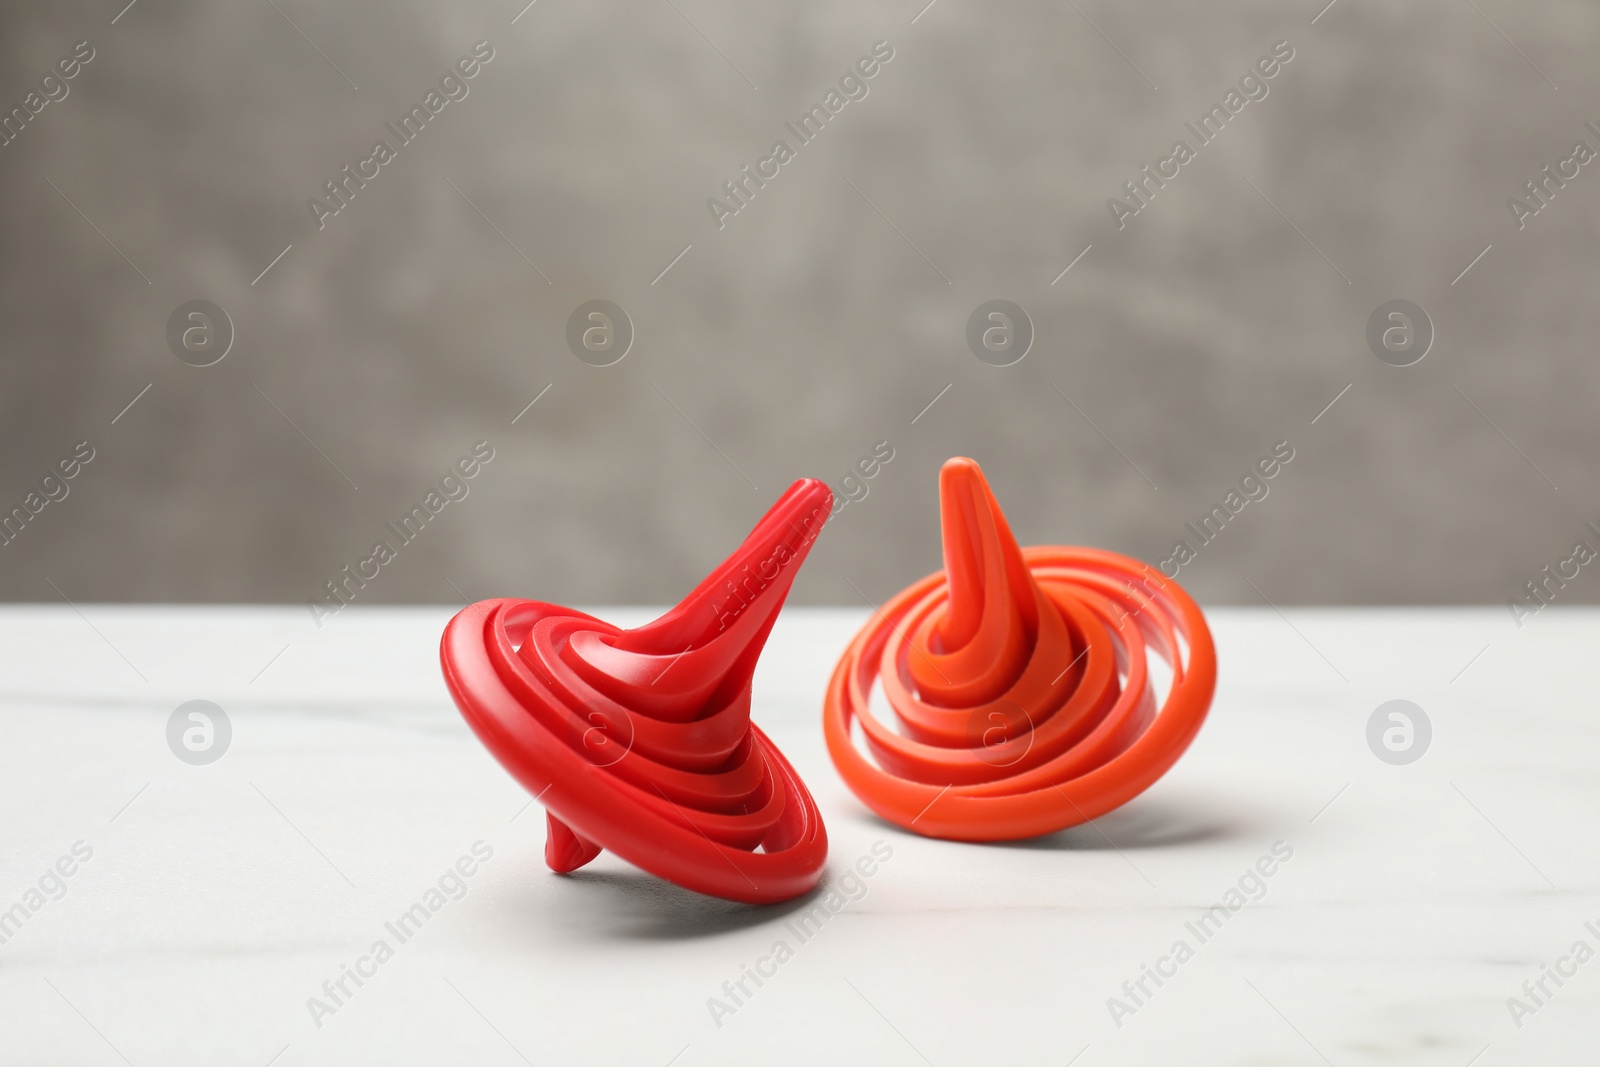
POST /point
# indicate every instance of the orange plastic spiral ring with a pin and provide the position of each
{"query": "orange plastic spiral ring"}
(1019, 682)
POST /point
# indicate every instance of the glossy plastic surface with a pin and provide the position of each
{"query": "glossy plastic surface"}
(640, 741)
(1019, 682)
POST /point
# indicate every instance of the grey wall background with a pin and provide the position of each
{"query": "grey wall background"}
(1222, 319)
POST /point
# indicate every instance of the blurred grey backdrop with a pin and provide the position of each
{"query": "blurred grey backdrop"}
(826, 316)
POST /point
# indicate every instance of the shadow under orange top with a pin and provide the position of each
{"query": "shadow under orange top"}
(1019, 682)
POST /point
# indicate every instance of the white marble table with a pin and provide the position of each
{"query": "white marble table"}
(219, 898)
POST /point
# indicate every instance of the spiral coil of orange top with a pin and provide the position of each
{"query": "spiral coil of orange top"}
(1019, 682)
(640, 741)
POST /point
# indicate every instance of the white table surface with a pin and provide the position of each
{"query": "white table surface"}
(220, 899)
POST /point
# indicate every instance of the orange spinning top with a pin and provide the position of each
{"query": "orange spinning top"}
(1019, 681)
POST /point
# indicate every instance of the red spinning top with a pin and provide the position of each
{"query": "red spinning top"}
(1019, 681)
(640, 741)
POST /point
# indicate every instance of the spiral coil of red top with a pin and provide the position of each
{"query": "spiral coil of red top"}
(1019, 682)
(640, 741)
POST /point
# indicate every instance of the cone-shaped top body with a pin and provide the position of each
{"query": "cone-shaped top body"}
(640, 741)
(991, 620)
